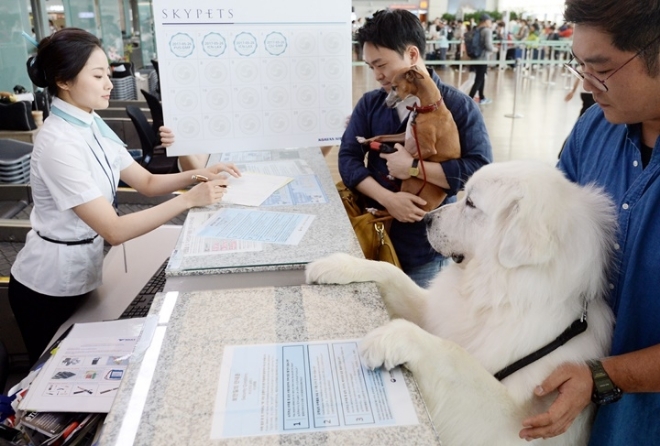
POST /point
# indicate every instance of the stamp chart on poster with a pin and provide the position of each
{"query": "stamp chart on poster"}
(254, 77)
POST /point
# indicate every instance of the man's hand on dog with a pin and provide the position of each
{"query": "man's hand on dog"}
(398, 163)
(405, 207)
(574, 384)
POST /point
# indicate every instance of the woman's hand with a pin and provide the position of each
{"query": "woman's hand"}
(230, 168)
(206, 193)
(166, 136)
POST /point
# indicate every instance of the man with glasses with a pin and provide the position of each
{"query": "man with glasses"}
(616, 45)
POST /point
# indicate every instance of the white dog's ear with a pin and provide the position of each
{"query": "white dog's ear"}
(526, 239)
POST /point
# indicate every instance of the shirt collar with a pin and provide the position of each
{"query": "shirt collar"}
(74, 115)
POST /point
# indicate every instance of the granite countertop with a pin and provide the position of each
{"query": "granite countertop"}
(180, 400)
(330, 232)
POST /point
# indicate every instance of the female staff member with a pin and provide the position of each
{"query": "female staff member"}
(76, 165)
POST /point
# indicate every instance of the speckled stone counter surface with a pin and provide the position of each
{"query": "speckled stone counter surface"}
(330, 232)
(181, 398)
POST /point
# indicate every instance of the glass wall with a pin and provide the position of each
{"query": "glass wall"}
(14, 48)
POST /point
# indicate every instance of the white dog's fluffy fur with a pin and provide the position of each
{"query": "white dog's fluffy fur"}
(534, 246)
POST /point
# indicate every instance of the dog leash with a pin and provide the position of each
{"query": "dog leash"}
(415, 110)
(578, 326)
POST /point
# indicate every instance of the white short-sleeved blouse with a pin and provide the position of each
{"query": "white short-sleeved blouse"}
(72, 163)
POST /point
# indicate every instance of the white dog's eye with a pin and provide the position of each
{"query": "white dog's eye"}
(469, 203)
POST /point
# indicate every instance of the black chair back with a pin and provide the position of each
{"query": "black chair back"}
(156, 109)
(152, 161)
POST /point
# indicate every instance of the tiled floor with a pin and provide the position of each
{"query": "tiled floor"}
(545, 118)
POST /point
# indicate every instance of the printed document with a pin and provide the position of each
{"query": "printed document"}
(263, 226)
(305, 387)
(194, 245)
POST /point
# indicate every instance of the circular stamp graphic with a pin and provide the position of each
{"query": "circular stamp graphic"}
(219, 126)
(182, 45)
(278, 122)
(249, 124)
(247, 71)
(186, 100)
(245, 44)
(214, 44)
(333, 94)
(307, 120)
(248, 97)
(306, 95)
(305, 42)
(333, 42)
(278, 97)
(184, 72)
(334, 119)
(216, 72)
(218, 99)
(275, 43)
(306, 70)
(333, 69)
(188, 126)
(277, 70)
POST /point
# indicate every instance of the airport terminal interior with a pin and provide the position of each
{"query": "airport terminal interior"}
(528, 118)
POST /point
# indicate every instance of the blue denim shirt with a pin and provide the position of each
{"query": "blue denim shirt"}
(372, 117)
(609, 156)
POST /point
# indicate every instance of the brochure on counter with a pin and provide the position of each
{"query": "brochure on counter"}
(85, 372)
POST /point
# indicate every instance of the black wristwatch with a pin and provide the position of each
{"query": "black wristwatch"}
(605, 391)
(413, 170)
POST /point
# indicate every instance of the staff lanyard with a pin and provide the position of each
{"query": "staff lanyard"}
(113, 184)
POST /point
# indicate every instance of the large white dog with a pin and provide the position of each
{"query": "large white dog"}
(530, 249)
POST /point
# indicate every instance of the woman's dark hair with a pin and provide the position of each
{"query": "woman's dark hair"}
(394, 29)
(60, 57)
(633, 24)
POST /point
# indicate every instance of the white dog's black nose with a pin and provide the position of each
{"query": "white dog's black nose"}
(458, 258)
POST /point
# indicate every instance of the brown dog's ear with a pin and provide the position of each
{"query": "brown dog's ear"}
(413, 74)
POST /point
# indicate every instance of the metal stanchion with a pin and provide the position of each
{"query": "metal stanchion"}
(515, 115)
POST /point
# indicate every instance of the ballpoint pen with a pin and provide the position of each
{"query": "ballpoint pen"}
(203, 179)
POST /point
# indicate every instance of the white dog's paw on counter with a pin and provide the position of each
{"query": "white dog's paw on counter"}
(338, 268)
(389, 345)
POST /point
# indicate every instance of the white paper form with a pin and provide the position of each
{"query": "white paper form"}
(264, 226)
(252, 189)
(85, 372)
(305, 387)
(194, 245)
(239, 75)
(304, 189)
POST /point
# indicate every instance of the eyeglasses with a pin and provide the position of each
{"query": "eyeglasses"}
(598, 83)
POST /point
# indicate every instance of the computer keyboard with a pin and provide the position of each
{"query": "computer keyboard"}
(141, 304)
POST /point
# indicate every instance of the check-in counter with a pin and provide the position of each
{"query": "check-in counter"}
(275, 265)
(169, 396)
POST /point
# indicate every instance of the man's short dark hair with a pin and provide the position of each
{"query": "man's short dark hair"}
(395, 29)
(633, 24)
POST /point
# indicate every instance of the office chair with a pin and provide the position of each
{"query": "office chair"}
(154, 158)
(155, 108)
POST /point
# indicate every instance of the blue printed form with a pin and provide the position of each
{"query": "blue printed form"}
(305, 387)
(261, 226)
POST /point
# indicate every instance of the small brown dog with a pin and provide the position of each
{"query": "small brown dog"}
(431, 134)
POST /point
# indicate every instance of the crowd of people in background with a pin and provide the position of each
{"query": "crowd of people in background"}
(445, 38)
